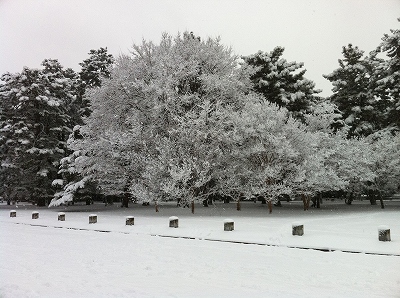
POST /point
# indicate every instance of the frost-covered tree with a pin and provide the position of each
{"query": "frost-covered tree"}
(178, 120)
(93, 70)
(385, 157)
(262, 153)
(35, 124)
(354, 92)
(387, 75)
(282, 82)
(168, 103)
(273, 154)
(316, 165)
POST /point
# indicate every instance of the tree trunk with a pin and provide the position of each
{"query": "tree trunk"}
(238, 206)
(306, 201)
(270, 206)
(381, 200)
(125, 201)
(349, 198)
(192, 207)
(319, 199)
(372, 197)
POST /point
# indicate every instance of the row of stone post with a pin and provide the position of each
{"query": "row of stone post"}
(383, 231)
(297, 228)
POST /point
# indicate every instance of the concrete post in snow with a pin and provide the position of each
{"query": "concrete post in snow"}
(173, 222)
(130, 221)
(297, 229)
(228, 224)
(92, 218)
(384, 233)
(13, 213)
(61, 216)
(35, 215)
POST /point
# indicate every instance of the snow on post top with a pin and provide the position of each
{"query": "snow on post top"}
(296, 224)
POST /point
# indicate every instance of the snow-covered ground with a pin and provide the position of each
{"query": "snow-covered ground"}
(49, 258)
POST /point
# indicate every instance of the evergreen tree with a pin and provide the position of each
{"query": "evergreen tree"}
(387, 75)
(354, 92)
(93, 71)
(35, 125)
(96, 67)
(282, 82)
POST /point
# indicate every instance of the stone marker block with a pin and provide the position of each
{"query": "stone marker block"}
(297, 229)
(35, 215)
(228, 225)
(13, 213)
(61, 216)
(384, 233)
(173, 222)
(130, 221)
(92, 218)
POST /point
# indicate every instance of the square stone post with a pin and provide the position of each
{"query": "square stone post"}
(92, 218)
(173, 222)
(297, 229)
(384, 233)
(61, 216)
(130, 221)
(228, 224)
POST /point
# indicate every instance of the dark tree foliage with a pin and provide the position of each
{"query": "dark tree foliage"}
(35, 124)
(38, 109)
(366, 89)
(282, 82)
(387, 75)
(353, 92)
(93, 70)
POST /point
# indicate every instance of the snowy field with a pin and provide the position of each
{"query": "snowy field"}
(49, 258)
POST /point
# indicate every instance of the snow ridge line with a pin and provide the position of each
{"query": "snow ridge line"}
(218, 240)
(277, 245)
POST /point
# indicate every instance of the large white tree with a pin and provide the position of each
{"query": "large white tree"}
(385, 166)
(152, 121)
(178, 120)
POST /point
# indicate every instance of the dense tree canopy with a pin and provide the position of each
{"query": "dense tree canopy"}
(387, 74)
(353, 92)
(35, 125)
(39, 108)
(282, 82)
(185, 124)
(186, 118)
(366, 88)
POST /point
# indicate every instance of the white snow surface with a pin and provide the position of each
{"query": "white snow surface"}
(260, 258)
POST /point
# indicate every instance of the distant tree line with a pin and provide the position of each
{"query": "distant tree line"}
(186, 119)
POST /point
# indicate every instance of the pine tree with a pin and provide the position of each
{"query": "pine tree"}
(282, 82)
(387, 75)
(35, 126)
(93, 71)
(354, 92)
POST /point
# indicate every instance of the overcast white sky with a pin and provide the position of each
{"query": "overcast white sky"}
(312, 31)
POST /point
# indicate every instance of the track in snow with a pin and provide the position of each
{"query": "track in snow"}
(323, 249)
